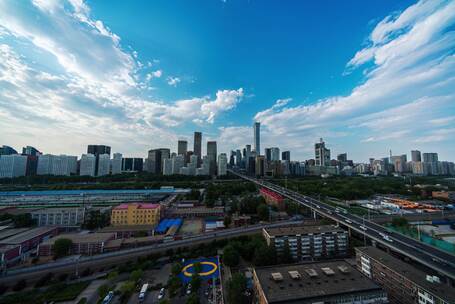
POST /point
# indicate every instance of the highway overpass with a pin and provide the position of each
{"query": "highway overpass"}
(438, 260)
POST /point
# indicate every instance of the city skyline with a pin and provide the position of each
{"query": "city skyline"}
(389, 86)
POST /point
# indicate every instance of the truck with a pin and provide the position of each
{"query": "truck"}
(143, 292)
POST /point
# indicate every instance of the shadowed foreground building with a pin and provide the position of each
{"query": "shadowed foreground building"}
(322, 282)
(403, 282)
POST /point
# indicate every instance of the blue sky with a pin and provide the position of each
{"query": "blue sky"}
(366, 76)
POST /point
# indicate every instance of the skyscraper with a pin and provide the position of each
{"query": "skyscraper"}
(268, 154)
(87, 167)
(97, 150)
(156, 157)
(116, 163)
(197, 149)
(12, 165)
(182, 147)
(222, 164)
(211, 154)
(257, 137)
(275, 154)
(343, 157)
(29, 150)
(416, 156)
(286, 155)
(322, 154)
(7, 150)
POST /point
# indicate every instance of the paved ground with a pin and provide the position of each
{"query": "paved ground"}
(191, 227)
(153, 277)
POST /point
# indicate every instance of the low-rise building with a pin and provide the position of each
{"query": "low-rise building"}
(195, 212)
(30, 238)
(321, 282)
(404, 283)
(309, 242)
(86, 244)
(135, 214)
(62, 217)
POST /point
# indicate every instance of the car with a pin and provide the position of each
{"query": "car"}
(161, 294)
(348, 221)
(363, 228)
(108, 298)
(188, 289)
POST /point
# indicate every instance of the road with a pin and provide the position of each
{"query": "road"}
(121, 256)
(438, 260)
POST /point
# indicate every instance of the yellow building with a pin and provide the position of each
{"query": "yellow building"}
(135, 214)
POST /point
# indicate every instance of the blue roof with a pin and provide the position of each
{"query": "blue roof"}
(165, 224)
(91, 192)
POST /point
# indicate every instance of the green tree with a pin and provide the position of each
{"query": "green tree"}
(62, 247)
(174, 284)
(103, 290)
(400, 222)
(136, 275)
(263, 212)
(230, 256)
(23, 220)
(176, 268)
(195, 283)
(264, 255)
(227, 221)
(193, 299)
(236, 288)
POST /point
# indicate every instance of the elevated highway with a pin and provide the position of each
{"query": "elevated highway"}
(438, 260)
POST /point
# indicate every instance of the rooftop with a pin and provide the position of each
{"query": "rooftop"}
(27, 235)
(6, 233)
(297, 282)
(139, 206)
(294, 230)
(127, 228)
(82, 238)
(411, 273)
(93, 192)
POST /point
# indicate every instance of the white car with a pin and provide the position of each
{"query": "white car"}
(363, 228)
(161, 294)
(348, 221)
(188, 289)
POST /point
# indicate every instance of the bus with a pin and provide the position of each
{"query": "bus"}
(143, 292)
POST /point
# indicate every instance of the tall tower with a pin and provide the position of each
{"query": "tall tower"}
(197, 146)
(182, 147)
(211, 154)
(257, 137)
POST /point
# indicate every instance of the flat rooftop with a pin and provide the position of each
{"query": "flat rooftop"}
(411, 273)
(6, 233)
(305, 281)
(294, 230)
(27, 235)
(81, 238)
(93, 192)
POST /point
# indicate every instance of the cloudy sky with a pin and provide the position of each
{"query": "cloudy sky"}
(367, 76)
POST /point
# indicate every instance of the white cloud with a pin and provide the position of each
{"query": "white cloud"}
(410, 86)
(173, 81)
(155, 74)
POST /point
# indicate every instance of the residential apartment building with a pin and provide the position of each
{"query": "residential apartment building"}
(63, 217)
(87, 165)
(49, 164)
(309, 242)
(404, 283)
(135, 214)
(13, 165)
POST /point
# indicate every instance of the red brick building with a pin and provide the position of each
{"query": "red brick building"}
(273, 198)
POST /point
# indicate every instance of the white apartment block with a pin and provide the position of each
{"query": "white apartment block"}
(13, 165)
(87, 165)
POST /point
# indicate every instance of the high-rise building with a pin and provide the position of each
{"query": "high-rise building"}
(104, 164)
(238, 158)
(415, 156)
(322, 154)
(167, 166)
(197, 148)
(222, 164)
(275, 154)
(49, 164)
(87, 165)
(182, 147)
(7, 150)
(260, 165)
(97, 150)
(116, 163)
(132, 164)
(29, 150)
(286, 155)
(156, 158)
(257, 137)
(430, 157)
(268, 154)
(343, 157)
(12, 165)
(177, 163)
(399, 163)
(212, 154)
